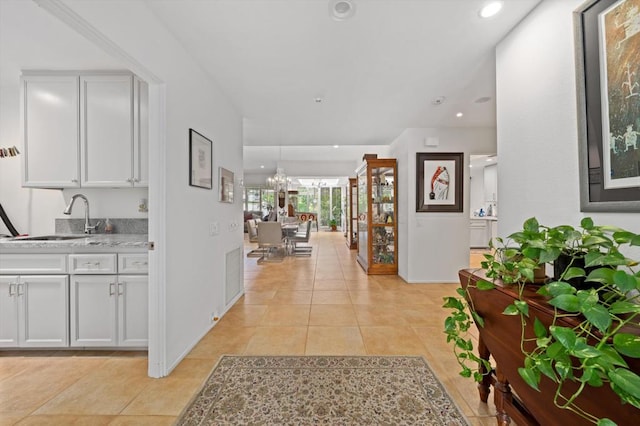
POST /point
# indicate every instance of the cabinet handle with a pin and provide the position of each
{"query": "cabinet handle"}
(74, 180)
(130, 180)
(112, 289)
(136, 180)
(20, 289)
(120, 289)
(12, 289)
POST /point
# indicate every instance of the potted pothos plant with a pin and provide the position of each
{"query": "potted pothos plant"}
(597, 284)
(333, 224)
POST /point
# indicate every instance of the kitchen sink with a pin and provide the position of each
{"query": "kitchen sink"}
(50, 238)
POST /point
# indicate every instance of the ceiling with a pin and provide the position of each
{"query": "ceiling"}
(376, 74)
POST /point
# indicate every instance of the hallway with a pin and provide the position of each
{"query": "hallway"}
(323, 304)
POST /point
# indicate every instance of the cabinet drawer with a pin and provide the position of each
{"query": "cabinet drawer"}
(92, 263)
(133, 263)
(33, 263)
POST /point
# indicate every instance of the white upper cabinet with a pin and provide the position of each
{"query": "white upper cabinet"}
(50, 123)
(106, 113)
(106, 130)
(491, 183)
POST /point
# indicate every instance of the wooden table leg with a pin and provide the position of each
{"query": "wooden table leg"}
(484, 387)
(502, 398)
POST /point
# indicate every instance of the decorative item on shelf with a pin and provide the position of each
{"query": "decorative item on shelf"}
(606, 313)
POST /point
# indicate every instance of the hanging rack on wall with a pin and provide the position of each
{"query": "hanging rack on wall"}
(9, 152)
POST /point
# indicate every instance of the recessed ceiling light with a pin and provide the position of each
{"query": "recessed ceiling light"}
(470, 165)
(459, 114)
(262, 166)
(490, 9)
(489, 159)
(341, 9)
(336, 146)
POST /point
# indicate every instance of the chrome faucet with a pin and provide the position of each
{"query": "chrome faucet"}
(87, 226)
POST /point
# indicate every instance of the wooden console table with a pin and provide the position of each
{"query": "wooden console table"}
(500, 338)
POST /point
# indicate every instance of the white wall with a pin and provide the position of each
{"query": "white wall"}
(537, 138)
(476, 189)
(432, 247)
(195, 261)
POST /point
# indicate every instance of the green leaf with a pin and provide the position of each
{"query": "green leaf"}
(624, 307)
(591, 257)
(522, 307)
(557, 288)
(625, 282)
(466, 372)
(531, 252)
(613, 259)
(627, 344)
(611, 357)
(635, 241)
(556, 351)
(564, 335)
(530, 377)
(539, 329)
(485, 285)
(453, 303)
(567, 302)
(511, 310)
(623, 237)
(582, 350)
(593, 240)
(601, 275)
(626, 380)
(573, 272)
(478, 319)
(586, 223)
(598, 316)
(461, 291)
(564, 369)
(544, 366)
(549, 254)
(531, 225)
(605, 422)
(587, 298)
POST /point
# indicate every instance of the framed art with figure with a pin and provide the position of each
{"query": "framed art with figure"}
(607, 34)
(200, 159)
(439, 178)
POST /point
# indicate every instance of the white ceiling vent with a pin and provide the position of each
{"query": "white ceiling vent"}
(341, 9)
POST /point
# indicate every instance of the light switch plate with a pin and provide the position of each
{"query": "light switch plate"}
(214, 229)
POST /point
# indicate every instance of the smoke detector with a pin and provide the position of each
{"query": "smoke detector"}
(438, 101)
(341, 9)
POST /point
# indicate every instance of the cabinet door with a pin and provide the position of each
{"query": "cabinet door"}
(50, 130)
(93, 310)
(8, 311)
(43, 311)
(106, 117)
(491, 183)
(133, 312)
(141, 133)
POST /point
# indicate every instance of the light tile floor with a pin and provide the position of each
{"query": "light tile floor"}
(319, 305)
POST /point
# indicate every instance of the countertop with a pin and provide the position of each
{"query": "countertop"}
(484, 218)
(92, 242)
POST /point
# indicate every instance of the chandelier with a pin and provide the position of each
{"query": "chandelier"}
(278, 181)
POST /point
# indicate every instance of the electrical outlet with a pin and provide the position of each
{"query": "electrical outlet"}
(214, 317)
(214, 229)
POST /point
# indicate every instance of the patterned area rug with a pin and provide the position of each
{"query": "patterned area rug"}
(322, 390)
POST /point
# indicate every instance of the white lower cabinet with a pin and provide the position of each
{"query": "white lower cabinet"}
(109, 310)
(34, 311)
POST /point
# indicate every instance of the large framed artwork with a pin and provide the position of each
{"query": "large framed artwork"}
(200, 160)
(439, 178)
(607, 36)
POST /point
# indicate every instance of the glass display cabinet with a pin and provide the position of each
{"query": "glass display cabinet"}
(376, 220)
(352, 214)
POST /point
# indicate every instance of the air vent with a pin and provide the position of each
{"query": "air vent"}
(233, 278)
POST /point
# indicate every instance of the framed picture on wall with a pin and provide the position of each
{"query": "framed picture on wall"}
(200, 160)
(226, 185)
(439, 178)
(608, 88)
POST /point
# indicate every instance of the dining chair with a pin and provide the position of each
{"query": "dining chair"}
(252, 227)
(271, 241)
(302, 237)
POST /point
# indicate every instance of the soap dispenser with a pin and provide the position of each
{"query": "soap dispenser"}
(108, 227)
